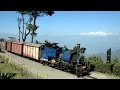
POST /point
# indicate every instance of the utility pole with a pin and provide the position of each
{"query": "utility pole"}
(78, 55)
(78, 49)
(109, 55)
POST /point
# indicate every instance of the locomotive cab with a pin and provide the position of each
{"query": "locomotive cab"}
(50, 51)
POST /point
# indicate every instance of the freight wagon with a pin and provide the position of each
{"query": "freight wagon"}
(32, 51)
(17, 48)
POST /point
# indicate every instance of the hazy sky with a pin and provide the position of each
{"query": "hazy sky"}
(95, 30)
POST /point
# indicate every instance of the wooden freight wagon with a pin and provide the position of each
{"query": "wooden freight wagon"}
(32, 51)
(17, 48)
(9, 46)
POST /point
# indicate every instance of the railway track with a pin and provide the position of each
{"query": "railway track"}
(88, 77)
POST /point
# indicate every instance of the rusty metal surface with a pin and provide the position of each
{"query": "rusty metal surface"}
(17, 48)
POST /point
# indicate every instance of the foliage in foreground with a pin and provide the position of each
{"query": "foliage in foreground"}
(12, 71)
(103, 67)
(4, 75)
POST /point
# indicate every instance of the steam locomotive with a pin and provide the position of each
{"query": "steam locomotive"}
(52, 55)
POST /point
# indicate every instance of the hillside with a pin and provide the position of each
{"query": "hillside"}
(115, 53)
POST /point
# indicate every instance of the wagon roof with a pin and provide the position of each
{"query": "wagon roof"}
(9, 41)
(33, 44)
(18, 42)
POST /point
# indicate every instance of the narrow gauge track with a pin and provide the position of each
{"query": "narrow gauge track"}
(81, 77)
(88, 77)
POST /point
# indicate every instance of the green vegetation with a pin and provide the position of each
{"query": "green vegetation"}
(4, 75)
(109, 68)
(30, 27)
(11, 71)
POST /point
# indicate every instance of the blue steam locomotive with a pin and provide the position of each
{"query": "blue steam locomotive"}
(64, 59)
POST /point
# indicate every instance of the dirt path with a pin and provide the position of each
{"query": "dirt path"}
(99, 75)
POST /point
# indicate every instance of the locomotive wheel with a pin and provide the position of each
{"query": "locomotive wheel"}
(49, 64)
(74, 59)
(46, 63)
(52, 65)
(41, 61)
(78, 75)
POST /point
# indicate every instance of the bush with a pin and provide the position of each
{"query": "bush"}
(100, 66)
(116, 69)
(6, 75)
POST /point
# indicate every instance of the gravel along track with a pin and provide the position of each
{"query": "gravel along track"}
(46, 72)
(99, 75)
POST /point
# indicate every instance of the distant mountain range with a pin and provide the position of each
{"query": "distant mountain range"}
(4, 35)
(114, 54)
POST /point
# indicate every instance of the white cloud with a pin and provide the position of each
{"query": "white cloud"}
(99, 33)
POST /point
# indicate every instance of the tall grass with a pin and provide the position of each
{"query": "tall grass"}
(15, 67)
(4, 59)
(4, 75)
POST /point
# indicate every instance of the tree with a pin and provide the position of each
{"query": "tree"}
(19, 27)
(24, 33)
(35, 15)
(37, 42)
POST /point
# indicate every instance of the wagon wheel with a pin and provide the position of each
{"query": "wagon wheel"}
(46, 63)
(41, 61)
(78, 75)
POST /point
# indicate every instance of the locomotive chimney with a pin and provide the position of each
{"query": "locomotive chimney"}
(78, 49)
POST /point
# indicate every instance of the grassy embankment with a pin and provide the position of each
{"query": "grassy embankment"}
(12, 71)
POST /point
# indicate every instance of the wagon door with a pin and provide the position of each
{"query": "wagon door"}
(40, 52)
